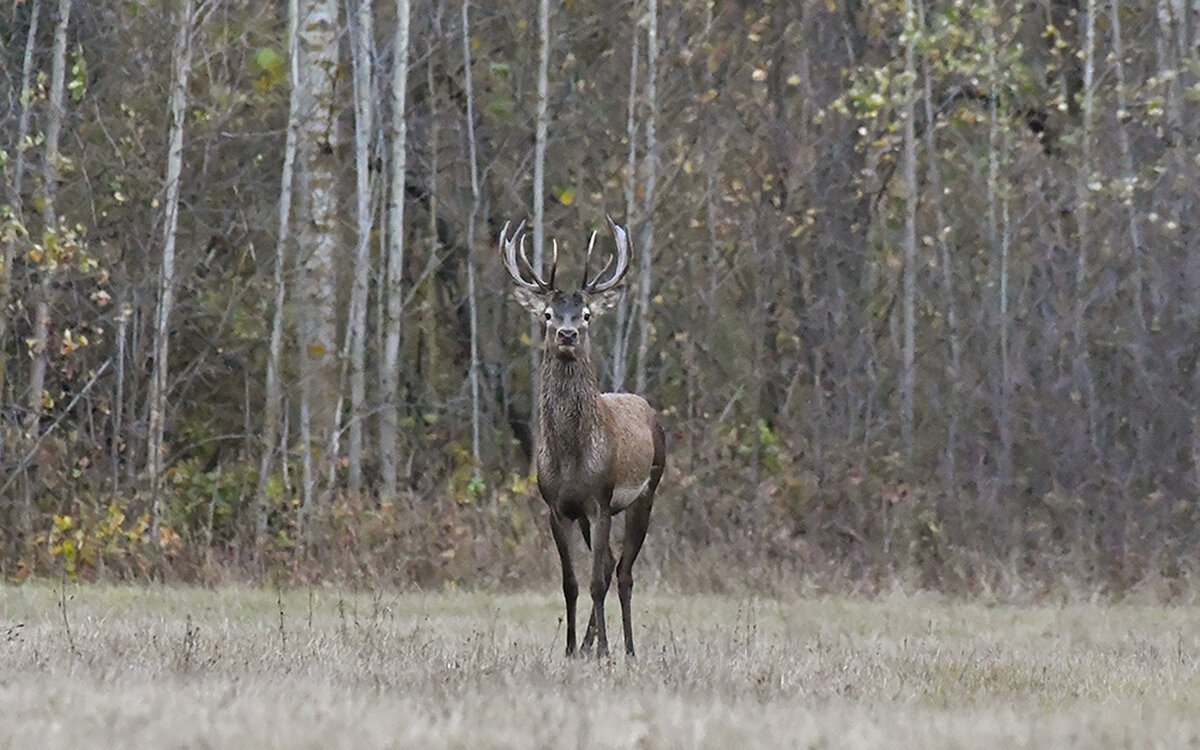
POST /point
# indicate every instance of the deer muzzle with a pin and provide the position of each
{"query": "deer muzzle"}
(567, 336)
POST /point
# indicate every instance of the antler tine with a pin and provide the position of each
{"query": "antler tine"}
(603, 269)
(621, 238)
(525, 257)
(587, 260)
(508, 254)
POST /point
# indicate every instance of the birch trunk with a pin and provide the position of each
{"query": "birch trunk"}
(907, 378)
(41, 317)
(116, 448)
(316, 295)
(156, 452)
(997, 238)
(50, 174)
(646, 249)
(1083, 209)
(26, 96)
(712, 258)
(541, 135)
(356, 331)
(389, 375)
(620, 355)
(471, 217)
(274, 391)
(1130, 180)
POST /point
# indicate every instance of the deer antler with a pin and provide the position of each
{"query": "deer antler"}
(587, 260)
(596, 286)
(508, 254)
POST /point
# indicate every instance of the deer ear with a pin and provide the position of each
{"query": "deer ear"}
(604, 301)
(530, 300)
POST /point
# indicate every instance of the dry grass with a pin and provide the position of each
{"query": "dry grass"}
(236, 667)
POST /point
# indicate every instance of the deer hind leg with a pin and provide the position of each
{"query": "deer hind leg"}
(560, 528)
(636, 523)
(635, 533)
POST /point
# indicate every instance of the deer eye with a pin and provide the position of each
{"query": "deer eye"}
(548, 316)
(587, 315)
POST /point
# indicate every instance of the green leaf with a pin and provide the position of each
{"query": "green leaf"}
(268, 59)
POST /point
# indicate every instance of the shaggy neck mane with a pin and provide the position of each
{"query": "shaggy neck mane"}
(569, 392)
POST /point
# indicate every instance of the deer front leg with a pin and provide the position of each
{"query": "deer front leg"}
(589, 635)
(559, 527)
(601, 576)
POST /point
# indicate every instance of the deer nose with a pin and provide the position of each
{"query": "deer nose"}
(567, 336)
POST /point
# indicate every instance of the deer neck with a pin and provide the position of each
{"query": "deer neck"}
(569, 394)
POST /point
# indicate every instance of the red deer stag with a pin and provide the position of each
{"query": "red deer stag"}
(598, 454)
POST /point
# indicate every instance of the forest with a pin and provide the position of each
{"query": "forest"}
(915, 289)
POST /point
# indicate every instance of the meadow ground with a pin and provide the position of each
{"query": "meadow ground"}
(160, 667)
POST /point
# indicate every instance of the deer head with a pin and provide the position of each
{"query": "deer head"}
(565, 315)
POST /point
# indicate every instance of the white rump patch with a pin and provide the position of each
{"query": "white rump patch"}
(623, 497)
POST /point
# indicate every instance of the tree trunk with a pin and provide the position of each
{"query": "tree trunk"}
(954, 409)
(712, 258)
(623, 326)
(316, 293)
(50, 175)
(25, 96)
(470, 260)
(646, 249)
(156, 451)
(908, 114)
(272, 439)
(356, 331)
(389, 375)
(117, 436)
(1083, 377)
(541, 136)
(16, 200)
(998, 239)
(1130, 178)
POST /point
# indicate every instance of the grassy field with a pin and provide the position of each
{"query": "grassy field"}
(137, 667)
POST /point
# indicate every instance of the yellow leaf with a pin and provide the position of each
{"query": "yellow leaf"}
(566, 197)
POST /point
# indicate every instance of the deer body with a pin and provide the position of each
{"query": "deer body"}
(598, 454)
(591, 439)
